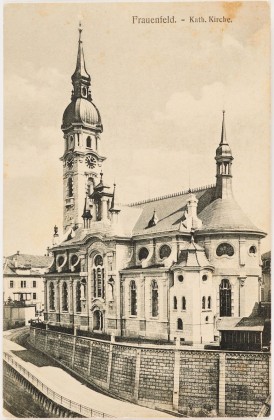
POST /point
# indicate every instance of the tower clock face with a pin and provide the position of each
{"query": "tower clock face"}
(70, 162)
(90, 161)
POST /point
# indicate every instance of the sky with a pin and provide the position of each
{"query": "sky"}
(160, 89)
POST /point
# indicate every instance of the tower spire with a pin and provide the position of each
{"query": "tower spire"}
(80, 78)
(223, 135)
(224, 160)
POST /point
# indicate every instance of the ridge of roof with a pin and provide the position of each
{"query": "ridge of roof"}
(192, 190)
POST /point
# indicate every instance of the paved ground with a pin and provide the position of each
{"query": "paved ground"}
(63, 383)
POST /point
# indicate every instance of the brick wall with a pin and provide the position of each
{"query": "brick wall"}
(123, 371)
(199, 373)
(247, 378)
(81, 355)
(99, 361)
(66, 350)
(191, 381)
(156, 377)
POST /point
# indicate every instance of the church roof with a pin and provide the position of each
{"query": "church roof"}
(216, 214)
(170, 210)
(192, 256)
(225, 215)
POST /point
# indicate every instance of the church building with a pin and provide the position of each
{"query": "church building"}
(177, 266)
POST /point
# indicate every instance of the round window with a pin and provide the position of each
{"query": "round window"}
(252, 250)
(165, 251)
(60, 260)
(225, 249)
(143, 253)
(204, 278)
(181, 278)
(74, 259)
(98, 260)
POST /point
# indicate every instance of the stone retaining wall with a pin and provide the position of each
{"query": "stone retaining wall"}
(193, 382)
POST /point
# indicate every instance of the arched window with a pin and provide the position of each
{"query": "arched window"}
(174, 302)
(65, 296)
(209, 302)
(89, 141)
(133, 298)
(225, 298)
(78, 296)
(179, 324)
(183, 303)
(90, 185)
(51, 296)
(98, 276)
(203, 302)
(70, 187)
(154, 298)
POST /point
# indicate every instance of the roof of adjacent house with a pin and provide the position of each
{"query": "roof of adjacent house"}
(241, 324)
(266, 255)
(27, 260)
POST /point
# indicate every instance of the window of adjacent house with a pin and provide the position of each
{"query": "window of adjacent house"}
(34, 296)
(203, 302)
(174, 302)
(89, 141)
(179, 324)
(78, 296)
(209, 302)
(64, 296)
(225, 298)
(70, 187)
(11, 284)
(183, 303)
(154, 296)
(34, 283)
(133, 298)
(51, 296)
(23, 283)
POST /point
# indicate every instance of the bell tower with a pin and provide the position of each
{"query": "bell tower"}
(224, 160)
(82, 159)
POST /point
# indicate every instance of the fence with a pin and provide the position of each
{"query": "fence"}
(52, 395)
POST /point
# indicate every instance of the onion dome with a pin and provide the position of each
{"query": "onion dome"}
(84, 112)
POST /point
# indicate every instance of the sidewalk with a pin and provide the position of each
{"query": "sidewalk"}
(61, 382)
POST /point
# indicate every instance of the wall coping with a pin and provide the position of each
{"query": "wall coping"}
(158, 347)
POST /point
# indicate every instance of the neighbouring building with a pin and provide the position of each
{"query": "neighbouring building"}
(177, 266)
(266, 277)
(23, 280)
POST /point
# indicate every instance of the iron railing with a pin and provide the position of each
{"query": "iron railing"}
(52, 395)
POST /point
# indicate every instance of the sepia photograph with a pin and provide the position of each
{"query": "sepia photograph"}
(137, 209)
